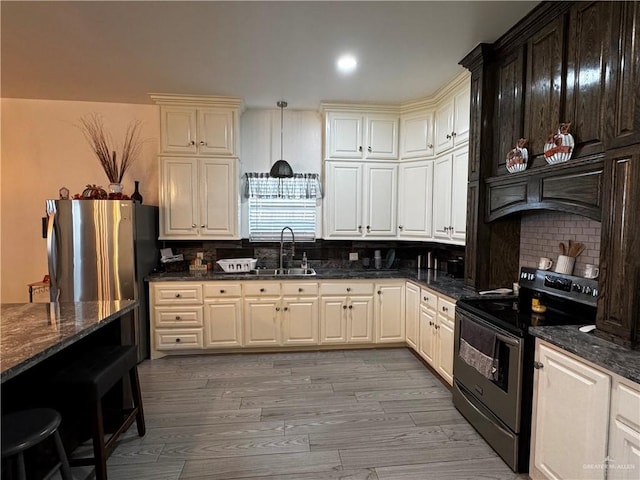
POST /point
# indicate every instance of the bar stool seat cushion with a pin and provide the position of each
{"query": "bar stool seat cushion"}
(24, 429)
(99, 369)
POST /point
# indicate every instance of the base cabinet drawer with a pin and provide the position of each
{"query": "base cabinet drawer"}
(179, 339)
(173, 293)
(183, 316)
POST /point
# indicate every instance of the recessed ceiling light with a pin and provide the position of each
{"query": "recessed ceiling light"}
(346, 63)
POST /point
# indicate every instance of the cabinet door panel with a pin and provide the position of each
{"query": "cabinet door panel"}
(179, 212)
(333, 320)
(178, 126)
(509, 107)
(382, 138)
(300, 321)
(572, 406)
(223, 319)
(412, 314)
(417, 135)
(261, 322)
(444, 126)
(215, 131)
(218, 198)
(360, 320)
(415, 197)
(461, 116)
(344, 200)
(586, 74)
(427, 337)
(544, 88)
(344, 135)
(380, 204)
(624, 432)
(459, 195)
(389, 315)
(442, 197)
(445, 348)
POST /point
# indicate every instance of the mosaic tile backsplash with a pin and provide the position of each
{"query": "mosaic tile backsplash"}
(542, 232)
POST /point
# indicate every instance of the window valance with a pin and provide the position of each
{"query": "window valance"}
(301, 185)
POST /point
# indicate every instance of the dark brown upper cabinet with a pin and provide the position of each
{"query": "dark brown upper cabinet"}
(545, 85)
(623, 76)
(588, 39)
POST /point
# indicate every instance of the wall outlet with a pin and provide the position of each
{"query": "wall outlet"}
(353, 256)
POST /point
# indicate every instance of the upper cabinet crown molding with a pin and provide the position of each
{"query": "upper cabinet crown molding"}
(198, 100)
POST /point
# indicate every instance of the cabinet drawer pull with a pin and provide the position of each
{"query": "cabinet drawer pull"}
(431, 323)
(177, 295)
(426, 299)
(348, 289)
(221, 291)
(300, 290)
(262, 290)
(445, 309)
(178, 340)
(178, 317)
(537, 365)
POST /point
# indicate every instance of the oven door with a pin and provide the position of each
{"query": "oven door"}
(503, 396)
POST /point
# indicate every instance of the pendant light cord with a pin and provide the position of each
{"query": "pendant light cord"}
(282, 104)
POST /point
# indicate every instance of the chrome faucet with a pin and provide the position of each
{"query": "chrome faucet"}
(293, 245)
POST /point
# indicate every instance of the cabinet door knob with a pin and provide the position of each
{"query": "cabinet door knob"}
(191, 143)
(537, 365)
(262, 290)
(193, 225)
(369, 149)
(344, 307)
(430, 145)
(286, 309)
(448, 137)
(178, 317)
(300, 290)
(379, 292)
(368, 228)
(453, 134)
(348, 289)
(202, 226)
(359, 228)
(177, 295)
(221, 291)
(177, 340)
(350, 307)
(400, 227)
(202, 142)
(360, 148)
(436, 326)
(445, 309)
(277, 309)
(430, 323)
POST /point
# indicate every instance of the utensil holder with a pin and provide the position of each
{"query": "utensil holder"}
(565, 264)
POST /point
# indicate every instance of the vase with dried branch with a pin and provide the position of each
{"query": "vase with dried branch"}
(101, 143)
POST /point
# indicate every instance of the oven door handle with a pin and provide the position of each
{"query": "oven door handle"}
(507, 340)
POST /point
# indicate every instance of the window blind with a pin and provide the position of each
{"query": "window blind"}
(275, 203)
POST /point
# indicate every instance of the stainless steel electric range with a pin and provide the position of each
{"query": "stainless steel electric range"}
(493, 357)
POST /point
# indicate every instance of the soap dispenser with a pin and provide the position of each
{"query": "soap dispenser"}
(304, 260)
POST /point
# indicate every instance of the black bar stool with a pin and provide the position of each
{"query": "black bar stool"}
(88, 379)
(26, 428)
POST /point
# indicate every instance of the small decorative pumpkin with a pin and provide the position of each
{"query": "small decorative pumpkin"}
(559, 146)
(518, 157)
(94, 192)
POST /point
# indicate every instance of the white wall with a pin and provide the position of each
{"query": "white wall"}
(260, 146)
(42, 149)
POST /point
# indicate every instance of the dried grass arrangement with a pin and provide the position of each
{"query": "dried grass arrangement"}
(101, 143)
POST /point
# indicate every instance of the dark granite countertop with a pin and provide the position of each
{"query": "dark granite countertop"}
(435, 280)
(615, 358)
(32, 332)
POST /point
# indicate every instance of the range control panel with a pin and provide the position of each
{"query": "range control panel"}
(584, 290)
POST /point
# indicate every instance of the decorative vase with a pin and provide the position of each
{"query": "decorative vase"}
(135, 196)
(115, 188)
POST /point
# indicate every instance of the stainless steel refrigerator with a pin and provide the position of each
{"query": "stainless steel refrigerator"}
(102, 250)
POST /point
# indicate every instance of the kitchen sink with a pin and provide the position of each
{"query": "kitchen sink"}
(302, 272)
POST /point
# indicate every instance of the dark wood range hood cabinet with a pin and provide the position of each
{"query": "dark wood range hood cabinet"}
(575, 62)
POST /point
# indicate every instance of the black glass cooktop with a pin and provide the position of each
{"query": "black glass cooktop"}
(515, 316)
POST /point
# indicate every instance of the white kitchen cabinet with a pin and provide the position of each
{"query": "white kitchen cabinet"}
(176, 317)
(452, 120)
(570, 417)
(450, 196)
(437, 314)
(360, 200)
(198, 131)
(624, 431)
(412, 314)
(389, 312)
(300, 313)
(415, 200)
(417, 135)
(198, 198)
(222, 315)
(361, 136)
(346, 312)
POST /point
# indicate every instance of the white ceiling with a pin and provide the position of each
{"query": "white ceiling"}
(260, 51)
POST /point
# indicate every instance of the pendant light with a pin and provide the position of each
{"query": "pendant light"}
(281, 169)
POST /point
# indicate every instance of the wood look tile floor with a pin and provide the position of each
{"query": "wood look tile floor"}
(357, 414)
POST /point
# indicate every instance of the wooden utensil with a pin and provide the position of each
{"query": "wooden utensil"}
(579, 249)
(563, 249)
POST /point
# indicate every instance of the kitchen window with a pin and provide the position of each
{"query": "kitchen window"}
(275, 203)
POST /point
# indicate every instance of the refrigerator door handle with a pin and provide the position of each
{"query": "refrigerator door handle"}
(51, 254)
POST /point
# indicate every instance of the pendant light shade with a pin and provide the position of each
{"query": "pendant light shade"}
(281, 169)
